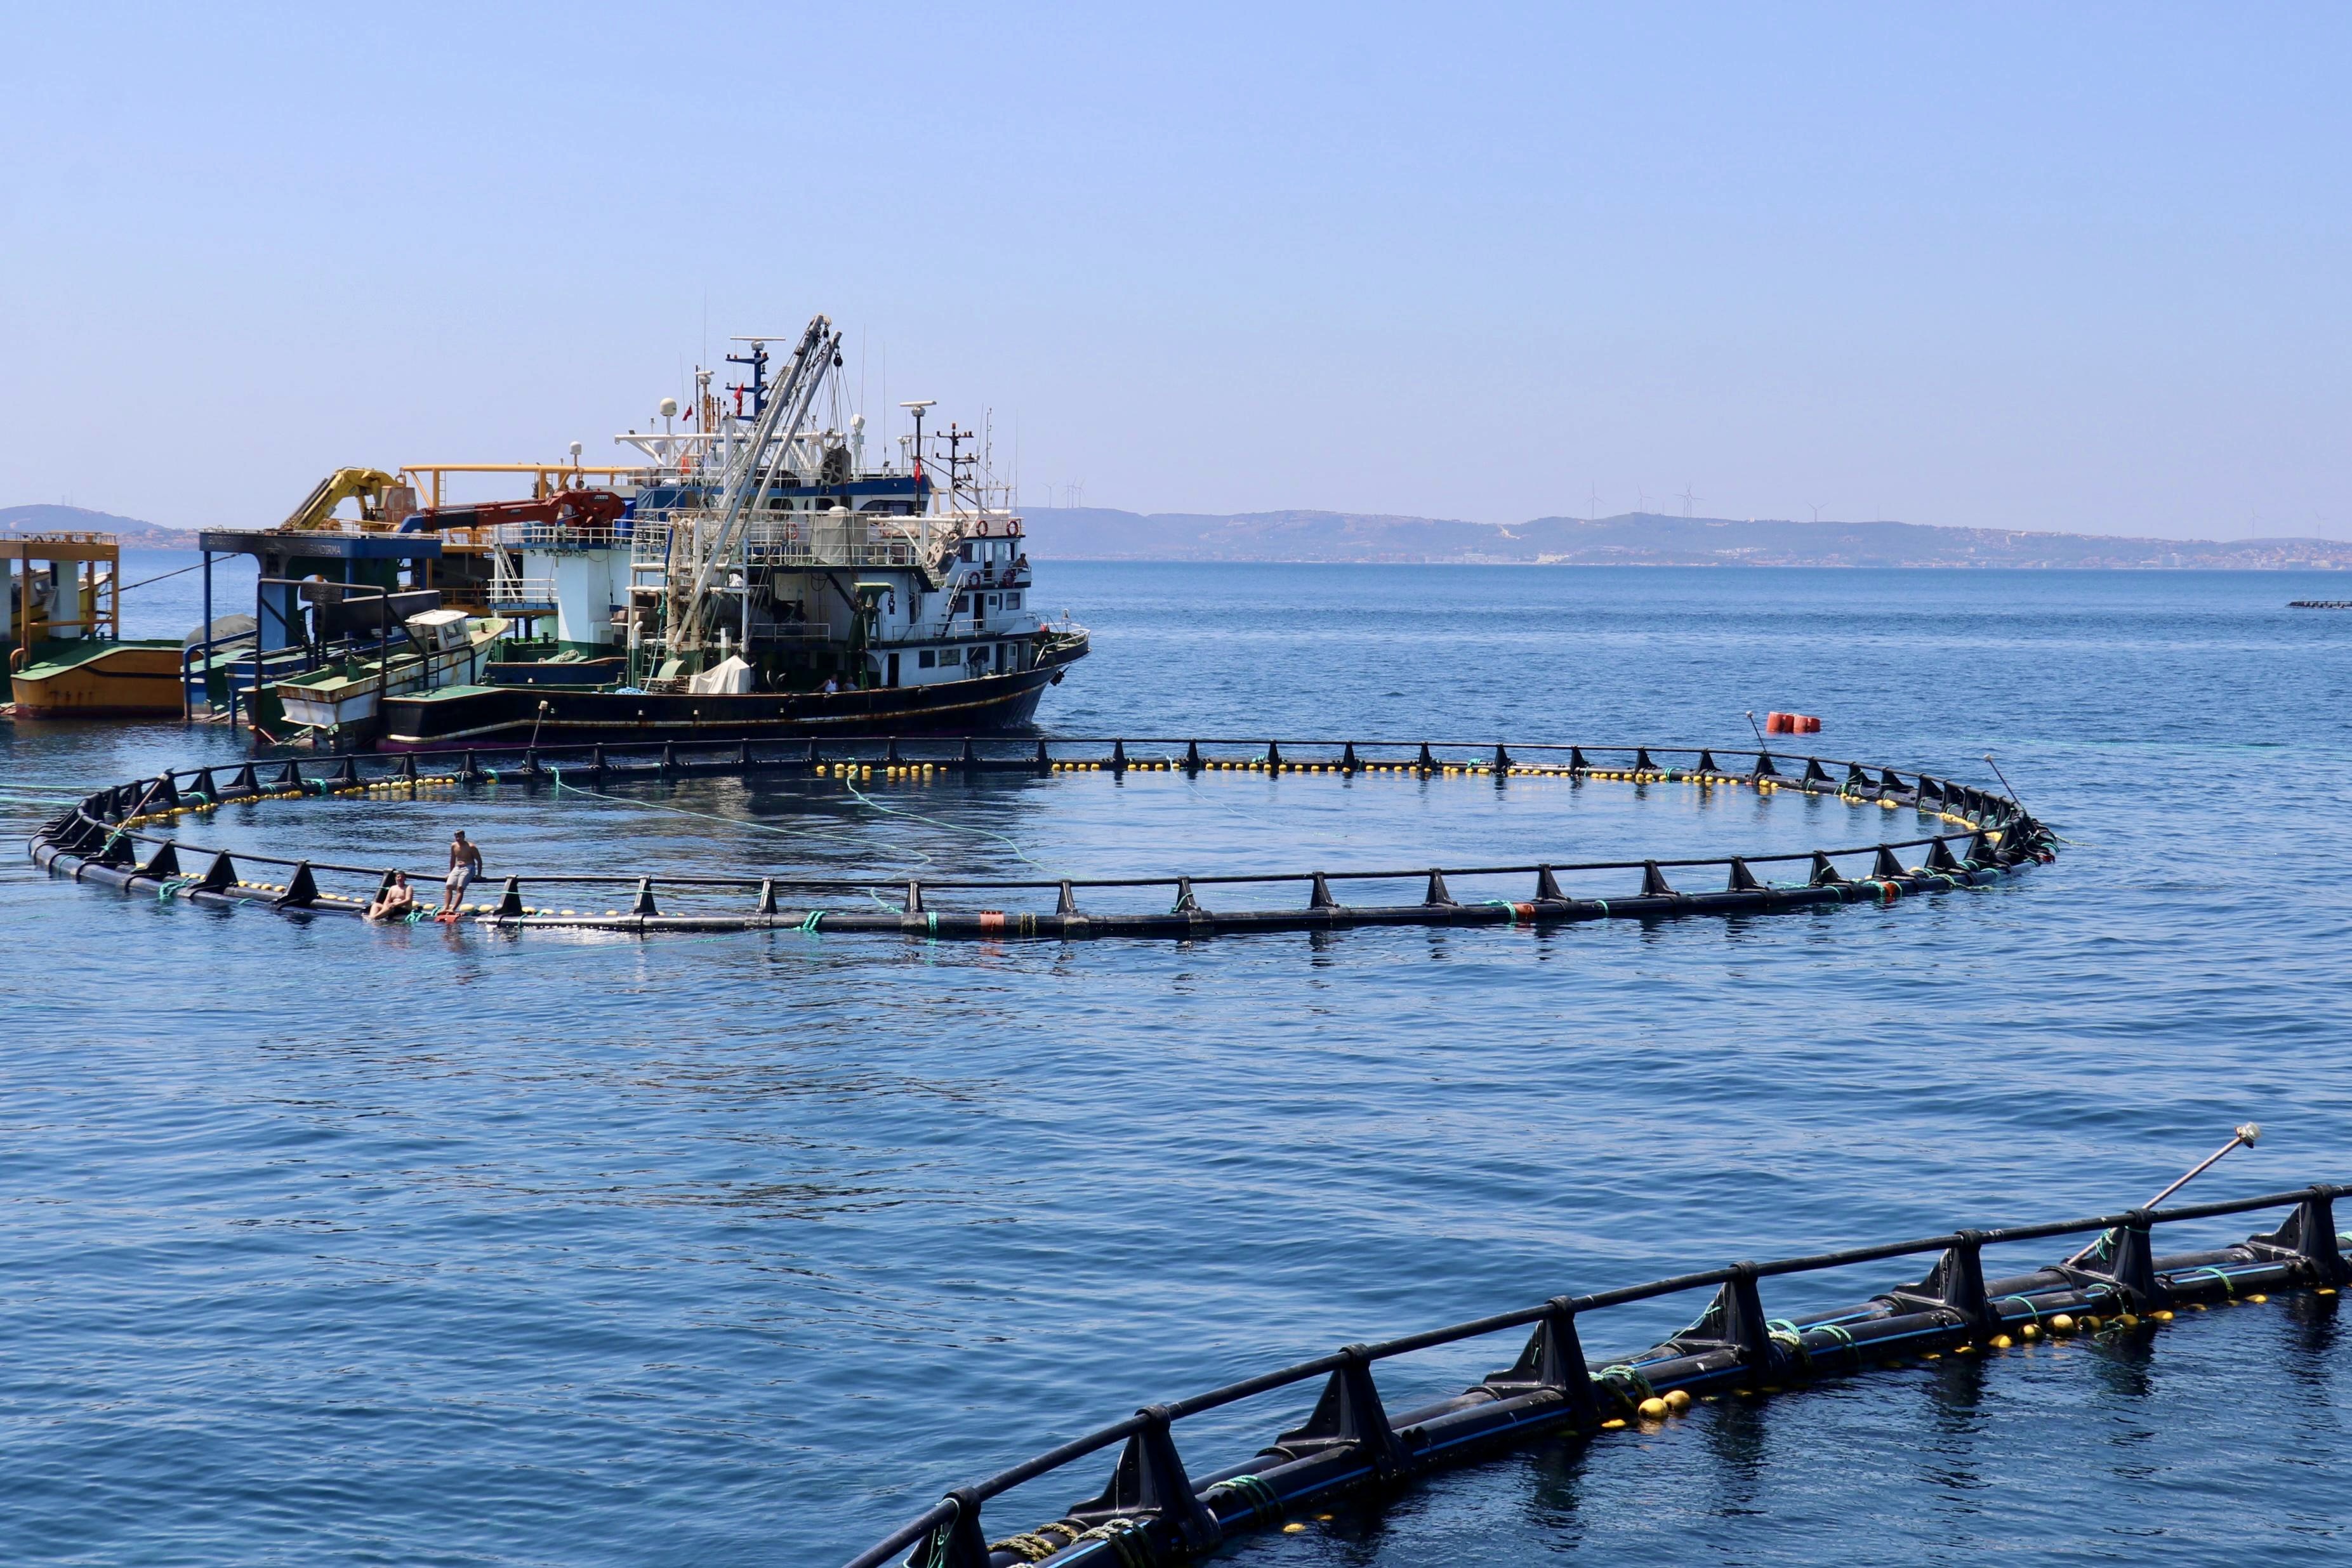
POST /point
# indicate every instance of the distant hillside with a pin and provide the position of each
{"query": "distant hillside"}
(1636, 539)
(64, 519)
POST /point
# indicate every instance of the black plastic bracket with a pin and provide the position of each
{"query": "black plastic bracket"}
(1742, 879)
(1547, 887)
(1955, 1284)
(645, 903)
(2124, 1258)
(1654, 882)
(1319, 895)
(1349, 1413)
(1438, 894)
(301, 889)
(1554, 1358)
(2309, 1235)
(1734, 1320)
(1149, 1479)
(960, 1543)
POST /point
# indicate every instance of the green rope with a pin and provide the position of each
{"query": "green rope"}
(1255, 1492)
(1621, 1370)
(171, 888)
(557, 775)
(2229, 1286)
(941, 822)
(809, 924)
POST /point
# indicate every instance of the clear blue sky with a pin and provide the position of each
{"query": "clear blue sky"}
(2028, 267)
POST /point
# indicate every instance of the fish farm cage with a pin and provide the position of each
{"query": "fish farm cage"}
(1153, 1510)
(116, 837)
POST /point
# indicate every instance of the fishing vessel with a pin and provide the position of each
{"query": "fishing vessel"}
(60, 621)
(756, 575)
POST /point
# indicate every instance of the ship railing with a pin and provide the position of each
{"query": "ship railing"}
(61, 537)
(522, 593)
(553, 537)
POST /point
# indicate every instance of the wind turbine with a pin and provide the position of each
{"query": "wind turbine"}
(1593, 504)
(1641, 506)
(1817, 510)
(1687, 499)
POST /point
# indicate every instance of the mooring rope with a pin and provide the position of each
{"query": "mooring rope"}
(556, 774)
(940, 822)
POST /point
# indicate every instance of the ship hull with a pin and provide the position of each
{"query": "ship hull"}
(465, 717)
(101, 680)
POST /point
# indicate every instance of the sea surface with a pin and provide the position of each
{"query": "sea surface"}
(323, 1244)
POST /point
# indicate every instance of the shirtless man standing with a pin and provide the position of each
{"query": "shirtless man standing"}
(465, 865)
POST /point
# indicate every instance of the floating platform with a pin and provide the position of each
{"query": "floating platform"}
(1153, 1510)
(112, 838)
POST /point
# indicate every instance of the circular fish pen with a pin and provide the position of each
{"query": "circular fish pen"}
(127, 837)
(1152, 1509)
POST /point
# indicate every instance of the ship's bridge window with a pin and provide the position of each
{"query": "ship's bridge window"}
(1013, 601)
(925, 660)
(980, 654)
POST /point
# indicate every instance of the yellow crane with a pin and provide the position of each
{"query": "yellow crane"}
(372, 488)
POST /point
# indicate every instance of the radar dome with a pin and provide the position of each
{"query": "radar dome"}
(668, 408)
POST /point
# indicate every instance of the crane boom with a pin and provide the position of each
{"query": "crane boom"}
(751, 469)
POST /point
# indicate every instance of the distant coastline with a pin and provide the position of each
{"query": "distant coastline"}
(1633, 538)
(1636, 539)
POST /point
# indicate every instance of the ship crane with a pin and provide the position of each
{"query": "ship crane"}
(751, 470)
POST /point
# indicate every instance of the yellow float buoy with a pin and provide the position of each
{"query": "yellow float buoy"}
(1653, 1409)
(1679, 1400)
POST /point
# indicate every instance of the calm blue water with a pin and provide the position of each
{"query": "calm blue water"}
(322, 1245)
